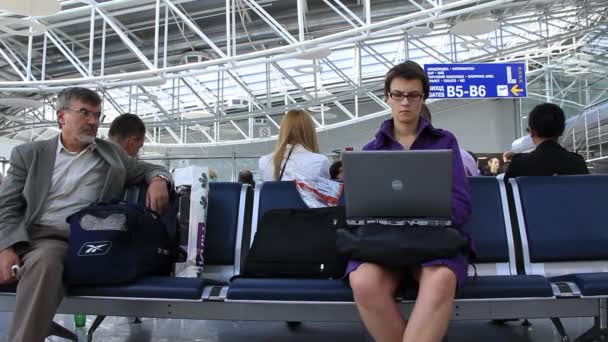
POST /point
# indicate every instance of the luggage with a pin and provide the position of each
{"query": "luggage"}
(183, 214)
(400, 246)
(296, 243)
(192, 184)
(116, 243)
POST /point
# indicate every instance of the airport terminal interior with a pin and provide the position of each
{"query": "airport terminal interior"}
(212, 80)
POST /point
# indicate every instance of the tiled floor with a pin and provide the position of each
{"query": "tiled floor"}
(120, 329)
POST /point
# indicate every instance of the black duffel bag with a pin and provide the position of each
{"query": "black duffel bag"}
(400, 246)
(296, 243)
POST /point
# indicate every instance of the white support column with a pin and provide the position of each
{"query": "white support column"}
(234, 27)
(368, 11)
(156, 32)
(30, 43)
(228, 28)
(43, 66)
(91, 41)
(102, 65)
(166, 37)
(301, 19)
(357, 74)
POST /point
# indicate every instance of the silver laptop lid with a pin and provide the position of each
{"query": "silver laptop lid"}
(398, 184)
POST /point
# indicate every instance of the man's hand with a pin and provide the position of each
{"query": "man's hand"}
(157, 198)
(8, 258)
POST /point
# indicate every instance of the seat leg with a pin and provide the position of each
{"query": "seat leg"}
(599, 331)
(591, 335)
(136, 320)
(60, 331)
(560, 329)
(94, 327)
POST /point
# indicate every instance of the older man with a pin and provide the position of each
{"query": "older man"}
(48, 181)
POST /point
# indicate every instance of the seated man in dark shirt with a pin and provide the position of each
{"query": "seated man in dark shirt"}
(546, 123)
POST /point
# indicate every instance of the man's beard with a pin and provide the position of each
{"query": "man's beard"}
(85, 138)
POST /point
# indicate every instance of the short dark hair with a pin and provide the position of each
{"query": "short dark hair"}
(334, 169)
(67, 95)
(409, 70)
(246, 177)
(547, 120)
(127, 125)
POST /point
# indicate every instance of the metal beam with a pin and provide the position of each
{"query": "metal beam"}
(78, 65)
(125, 39)
(12, 64)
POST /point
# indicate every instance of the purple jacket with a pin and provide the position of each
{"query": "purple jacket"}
(430, 138)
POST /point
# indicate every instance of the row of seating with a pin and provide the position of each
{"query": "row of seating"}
(557, 229)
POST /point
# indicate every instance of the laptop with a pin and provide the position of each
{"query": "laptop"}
(398, 187)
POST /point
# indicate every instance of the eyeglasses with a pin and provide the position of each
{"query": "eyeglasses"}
(87, 113)
(411, 97)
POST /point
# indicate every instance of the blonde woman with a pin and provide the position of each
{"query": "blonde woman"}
(297, 151)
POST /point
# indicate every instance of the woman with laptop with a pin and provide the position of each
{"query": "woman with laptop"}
(405, 90)
(297, 151)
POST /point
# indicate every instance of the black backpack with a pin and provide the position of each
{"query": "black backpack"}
(296, 243)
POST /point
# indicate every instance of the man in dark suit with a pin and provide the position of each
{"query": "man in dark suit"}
(546, 123)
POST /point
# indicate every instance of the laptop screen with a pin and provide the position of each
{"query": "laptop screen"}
(398, 184)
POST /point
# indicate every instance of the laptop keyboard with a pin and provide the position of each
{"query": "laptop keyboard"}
(400, 222)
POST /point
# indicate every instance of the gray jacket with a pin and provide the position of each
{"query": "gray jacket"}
(28, 181)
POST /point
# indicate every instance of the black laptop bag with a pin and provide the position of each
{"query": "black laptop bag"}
(296, 243)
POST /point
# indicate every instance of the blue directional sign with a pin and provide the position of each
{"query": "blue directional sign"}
(469, 81)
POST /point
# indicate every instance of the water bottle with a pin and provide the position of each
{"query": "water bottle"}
(80, 320)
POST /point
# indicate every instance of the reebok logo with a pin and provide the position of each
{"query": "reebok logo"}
(95, 248)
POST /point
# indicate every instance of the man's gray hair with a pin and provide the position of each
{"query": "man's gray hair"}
(68, 95)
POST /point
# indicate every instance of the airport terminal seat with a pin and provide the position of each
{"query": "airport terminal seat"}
(562, 227)
(490, 224)
(8, 288)
(222, 246)
(560, 205)
(147, 287)
(224, 231)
